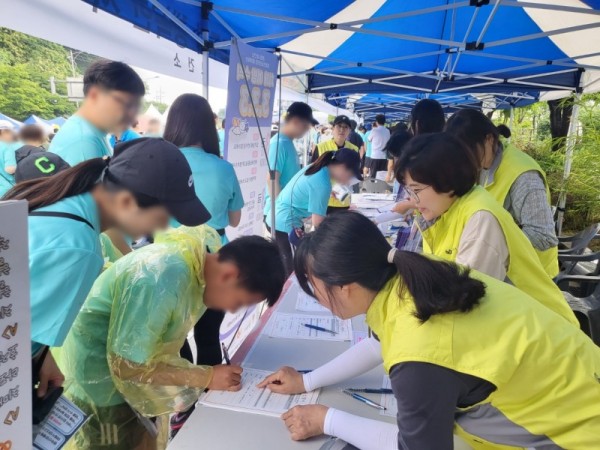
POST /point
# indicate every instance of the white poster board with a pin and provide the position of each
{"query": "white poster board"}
(15, 335)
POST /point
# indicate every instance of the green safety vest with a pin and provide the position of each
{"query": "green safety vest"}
(513, 164)
(547, 372)
(524, 268)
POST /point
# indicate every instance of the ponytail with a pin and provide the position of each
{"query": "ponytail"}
(436, 287)
(503, 131)
(322, 161)
(331, 255)
(67, 183)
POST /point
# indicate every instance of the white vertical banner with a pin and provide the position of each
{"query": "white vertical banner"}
(251, 87)
(15, 335)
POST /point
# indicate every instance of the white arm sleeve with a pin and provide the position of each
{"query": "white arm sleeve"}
(355, 361)
(365, 434)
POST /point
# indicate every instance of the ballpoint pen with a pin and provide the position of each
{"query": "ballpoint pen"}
(315, 327)
(371, 390)
(360, 398)
(226, 354)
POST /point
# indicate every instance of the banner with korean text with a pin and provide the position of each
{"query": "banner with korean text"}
(252, 80)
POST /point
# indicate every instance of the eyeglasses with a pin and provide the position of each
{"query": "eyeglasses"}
(132, 105)
(414, 193)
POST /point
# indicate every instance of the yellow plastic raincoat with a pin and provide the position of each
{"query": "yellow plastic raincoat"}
(124, 345)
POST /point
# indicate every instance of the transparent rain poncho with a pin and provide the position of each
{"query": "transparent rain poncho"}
(124, 345)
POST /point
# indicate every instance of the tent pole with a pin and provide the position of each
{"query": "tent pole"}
(272, 169)
(571, 139)
(512, 119)
(205, 12)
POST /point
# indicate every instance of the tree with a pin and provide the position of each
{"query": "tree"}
(26, 65)
(560, 119)
(23, 96)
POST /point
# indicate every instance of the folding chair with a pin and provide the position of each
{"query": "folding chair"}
(373, 186)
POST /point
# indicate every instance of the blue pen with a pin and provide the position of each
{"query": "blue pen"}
(304, 371)
(360, 398)
(315, 327)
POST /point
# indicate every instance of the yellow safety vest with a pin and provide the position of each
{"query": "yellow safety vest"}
(524, 268)
(547, 373)
(330, 146)
(513, 164)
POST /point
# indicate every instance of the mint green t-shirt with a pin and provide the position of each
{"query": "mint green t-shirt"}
(7, 159)
(65, 257)
(286, 163)
(78, 140)
(303, 196)
(369, 145)
(216, 186)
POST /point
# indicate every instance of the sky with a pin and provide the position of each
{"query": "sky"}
(166, 89)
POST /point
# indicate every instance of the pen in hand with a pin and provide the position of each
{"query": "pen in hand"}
(226, 354)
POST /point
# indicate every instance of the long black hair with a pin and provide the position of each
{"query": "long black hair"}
(191, 123)
(342, 156)
(429, 115)
(473, 128)
(349, 248)
(73, 181)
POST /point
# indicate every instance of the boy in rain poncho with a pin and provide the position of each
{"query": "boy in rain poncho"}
(122, 354)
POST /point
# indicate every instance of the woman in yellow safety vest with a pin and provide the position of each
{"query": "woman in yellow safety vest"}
(460, 221)
(466, 353)
(514, 178)
(341, 130)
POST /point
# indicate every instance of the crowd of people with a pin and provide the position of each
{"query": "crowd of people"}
(465, 316)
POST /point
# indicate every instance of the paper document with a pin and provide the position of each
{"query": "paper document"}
(254, 400)
(292, 326)
(388, 400)
(62, 422)
(307, 303)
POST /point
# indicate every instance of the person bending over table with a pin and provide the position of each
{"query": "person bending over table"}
(134, 192)
(307, 195)
(460, 221)
(122, 358)
(465, 352)
(513, 178)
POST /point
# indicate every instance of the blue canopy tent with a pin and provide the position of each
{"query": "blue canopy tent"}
(35, 120)
(60, 121)
(15, 123)
(397, 107)
(344, 47)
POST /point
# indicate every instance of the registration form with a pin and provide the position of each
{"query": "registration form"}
(253, 400)
(293, 326)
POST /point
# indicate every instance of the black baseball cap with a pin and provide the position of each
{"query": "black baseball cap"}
(302, 111)
(351, 159)
(156, 168)
(38, 165)
(342, 119)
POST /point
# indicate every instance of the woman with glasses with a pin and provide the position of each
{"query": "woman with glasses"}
(513, 178)
(461, 222)
(465, 353)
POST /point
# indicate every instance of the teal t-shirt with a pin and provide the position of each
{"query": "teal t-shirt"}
(221, 134)
(303, 196)
(128, 135)
(288, 165)
(7, 159)
(368, 142)
(78, 140)
(65, 257)
(216, 186)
